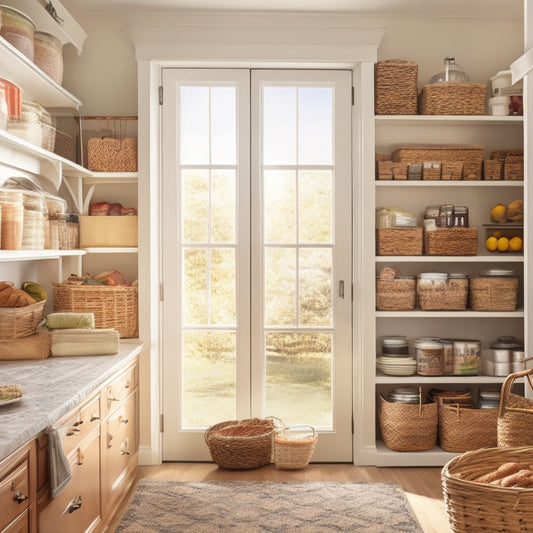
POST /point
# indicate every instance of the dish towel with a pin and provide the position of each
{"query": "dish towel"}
(60, 474)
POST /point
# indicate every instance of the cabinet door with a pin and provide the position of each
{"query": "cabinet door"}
(14, 492)
(119, 451)
(77, 508)
(119, 388)
(80, 423)
(20, 525)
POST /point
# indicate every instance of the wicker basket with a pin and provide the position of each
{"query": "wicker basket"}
(452, 98)
(388, 170)
(451, 170)
(515, 417)
(513, 167)
(493, 293)
(408, 427)
(113, 307)
(396, 87)
(292, 448)
(492, 170)
(443, 295)
(18, 322)
(399, 241)
(462, 429)
(396, 295)
(35, 346)
(451, 241)
(236, 452)
(482, 507)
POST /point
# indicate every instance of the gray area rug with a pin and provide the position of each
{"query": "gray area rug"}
(267, 506)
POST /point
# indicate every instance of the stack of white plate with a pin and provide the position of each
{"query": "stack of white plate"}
(396, 366)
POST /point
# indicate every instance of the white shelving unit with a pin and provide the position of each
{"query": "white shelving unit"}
(390, 132)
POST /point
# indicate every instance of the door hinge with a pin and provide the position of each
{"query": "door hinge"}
(353, 95)
(160, 95)
(162, 423)
(161, 292)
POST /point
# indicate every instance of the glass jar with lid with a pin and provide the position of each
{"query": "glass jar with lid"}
(429, 357)
(34, 217)
(451, 72)
(395, 346)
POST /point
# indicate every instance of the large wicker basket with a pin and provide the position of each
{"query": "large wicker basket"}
(494, 293)
(452, 98)
(399, 241)
(239, 452)
(408, 427)
(397, 294)
(114, 307)
(396, 87)
(18, 322)
(515, 417)
(451, 241)
(482, 507)
(450, 295)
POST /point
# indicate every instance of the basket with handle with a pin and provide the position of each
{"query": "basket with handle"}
(515, 416)
(294, 446)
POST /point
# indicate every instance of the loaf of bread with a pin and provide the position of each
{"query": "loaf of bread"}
(510, 474)
(10, 296)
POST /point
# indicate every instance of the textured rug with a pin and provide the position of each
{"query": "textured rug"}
(267, 506)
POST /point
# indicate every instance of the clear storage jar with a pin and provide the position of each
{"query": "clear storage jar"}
(429, 357)
(34, 218)
(55, 222)
(48, 55)
(29, 126)
(466, 357)
(18, 30)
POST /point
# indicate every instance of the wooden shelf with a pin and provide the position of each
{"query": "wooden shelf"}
(36, 255)
(112, 250)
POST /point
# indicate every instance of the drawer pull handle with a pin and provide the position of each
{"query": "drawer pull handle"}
(78, 423)
(124, 449)
(123, 420)
(19, 497)
(73, 505)
(109, 439)
(94, 417)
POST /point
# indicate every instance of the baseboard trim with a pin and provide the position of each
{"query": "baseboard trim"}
(148, 456)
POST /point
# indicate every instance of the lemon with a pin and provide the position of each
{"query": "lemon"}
(491, 243)
(515, 244)
(503, 244)
(498, 213)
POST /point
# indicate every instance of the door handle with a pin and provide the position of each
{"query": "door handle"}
(341, 289)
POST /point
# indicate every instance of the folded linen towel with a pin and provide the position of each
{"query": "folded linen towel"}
(70, 320)
(67, 342)
(60, 474)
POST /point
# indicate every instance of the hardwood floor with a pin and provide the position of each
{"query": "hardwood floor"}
(421, 485)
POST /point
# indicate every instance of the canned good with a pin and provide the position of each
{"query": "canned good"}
(466, 357)
(394, 346)
(429, 357)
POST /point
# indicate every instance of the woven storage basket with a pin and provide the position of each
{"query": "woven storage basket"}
(452, 98)
(239, 452)
(35, 346)
(451, 170)
(493, 293)
(408, 427)
(396, 87)
(482, 507)
(113, 307)
(18, 322)
(450, 295)
(399, 241)
(293, 451)
(396, 295)
(513, 167)
(388, 170)
(515, 417)
(492, 169)
(451, 241)
(462, 429)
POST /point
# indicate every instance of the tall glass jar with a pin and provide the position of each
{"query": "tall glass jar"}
(451, 72)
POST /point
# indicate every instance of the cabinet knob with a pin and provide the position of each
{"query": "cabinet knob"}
(123, 420)
(73, 505)
(19, 497)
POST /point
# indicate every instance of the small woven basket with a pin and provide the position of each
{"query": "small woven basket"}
(513, 167)
(462, 429)
(452, 98)
(515, 416)
(388, 170)
(492, 170)
(482, 507)
(294, 447)
(397, 294)
(396, 87)
(450, 295)
(451, 241)
(493, 293)
(239, 452)
(399, 241)
(18, 322)
(113, 307)
(408, 427)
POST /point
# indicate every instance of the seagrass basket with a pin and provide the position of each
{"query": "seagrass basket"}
(398, 294)
(388, 170)
(294, 447)
(452, 98)
(34, 346)
(493, 293)
(240, 452)
(408, 427)
(451, 241)
(513, 167)
(483, 507)
(515, 416)
(492, 170)
(114, 307)
(399, 241)
(396, 87)
(449, 295)
(462, 429)
(18, 322)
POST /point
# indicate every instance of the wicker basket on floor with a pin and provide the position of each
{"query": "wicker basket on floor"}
(482, 507)
(240, 452)
(293, 448)
(515, 417)
(452, 98)
(451, 241)
(18, 322)
(396, 87)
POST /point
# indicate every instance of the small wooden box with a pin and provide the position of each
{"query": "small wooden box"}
(104, 231)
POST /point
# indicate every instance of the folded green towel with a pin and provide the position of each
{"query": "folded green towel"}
(70, 321)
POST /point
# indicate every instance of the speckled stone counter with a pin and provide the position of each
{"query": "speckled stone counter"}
(52, 387)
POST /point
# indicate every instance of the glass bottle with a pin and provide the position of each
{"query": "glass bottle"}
(452, 72)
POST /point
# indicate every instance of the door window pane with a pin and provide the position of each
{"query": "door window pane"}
(223, 126)
(280, 287)
(222, 290)
(194, 125)
(195, 205)
(223, 206)
(315, 206)
(314, 295)
(195, 279)
(280, 206)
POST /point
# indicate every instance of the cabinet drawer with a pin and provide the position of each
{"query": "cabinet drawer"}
(77, 508)
(14, 492)
(80, 423)
(20, 525)
(119, 388)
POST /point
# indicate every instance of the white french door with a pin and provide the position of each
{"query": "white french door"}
(256, 249)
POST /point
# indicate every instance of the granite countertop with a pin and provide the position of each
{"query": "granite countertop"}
(51, 388)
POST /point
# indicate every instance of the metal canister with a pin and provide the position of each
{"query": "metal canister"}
(429, 357)
(466, 357)
(405, 395)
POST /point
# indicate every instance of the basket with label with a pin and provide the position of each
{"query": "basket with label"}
(494, 290)
(396, 87)
(114, 307)
(450, 241)
(452, 98)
